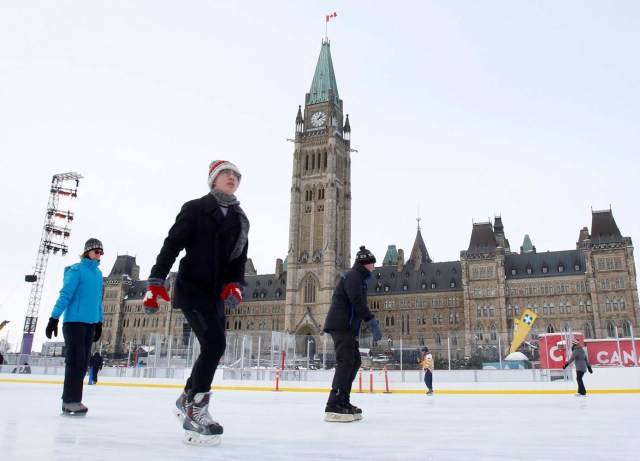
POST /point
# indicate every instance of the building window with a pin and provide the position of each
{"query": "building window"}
(309, 291)
(588, 331)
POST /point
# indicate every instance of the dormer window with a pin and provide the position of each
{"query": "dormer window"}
(433, 285)
(405, 287)
(514, 272)
(545, 269)
(452, 284)
(560, 268)
(576, 267)
(386, 288)
(529, 271)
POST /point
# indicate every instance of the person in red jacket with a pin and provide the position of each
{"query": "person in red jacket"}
(214, 232)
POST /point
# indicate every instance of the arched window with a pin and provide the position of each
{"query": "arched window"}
(479, 333)
(438, 339)
(550, 329)
(622, 306)
(626, 329)
(615, 304)
(611, 330)
(454, 339)
(310, 291)
(607, 304)
(493, 333)
(588, 331)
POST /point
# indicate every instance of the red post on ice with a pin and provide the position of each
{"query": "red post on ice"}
(277, 379)
(386, 381)
(360, 382)
(371, 380)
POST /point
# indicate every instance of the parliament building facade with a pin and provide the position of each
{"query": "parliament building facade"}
(467, 306)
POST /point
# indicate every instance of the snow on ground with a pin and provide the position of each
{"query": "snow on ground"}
(136, 423)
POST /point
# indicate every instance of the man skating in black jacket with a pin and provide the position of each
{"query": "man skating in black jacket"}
(214, 232)
(348, 309)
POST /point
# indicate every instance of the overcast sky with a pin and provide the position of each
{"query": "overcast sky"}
(462, 110)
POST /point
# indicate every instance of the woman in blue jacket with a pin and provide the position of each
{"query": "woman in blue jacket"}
(81, 302)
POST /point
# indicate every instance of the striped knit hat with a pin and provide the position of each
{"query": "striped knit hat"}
(219, 165)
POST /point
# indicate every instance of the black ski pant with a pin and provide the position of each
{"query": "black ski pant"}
(581, 389)
(95, 371)
(348, 363)
(78, 337)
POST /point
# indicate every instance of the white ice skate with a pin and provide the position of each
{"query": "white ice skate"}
(74, 409)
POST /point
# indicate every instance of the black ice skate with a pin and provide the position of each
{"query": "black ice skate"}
(357, 412)
(74, 409)
(338, 414)
(199, 428)
(180, 408)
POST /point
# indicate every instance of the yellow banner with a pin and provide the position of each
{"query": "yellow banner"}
(521, 328)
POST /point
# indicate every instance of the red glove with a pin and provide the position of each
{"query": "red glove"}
(232, 295)
(150, 302)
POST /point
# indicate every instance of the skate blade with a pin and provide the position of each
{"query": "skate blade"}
(178, 414)
(338, 418)
(74, 414)
(193, 438)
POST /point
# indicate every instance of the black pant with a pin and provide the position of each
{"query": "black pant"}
(428, 379)
(78, 337)
(95, 374)
(348, 363)
(581, 389)
(209, 329)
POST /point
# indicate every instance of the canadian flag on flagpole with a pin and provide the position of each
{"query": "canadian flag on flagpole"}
(332, 15)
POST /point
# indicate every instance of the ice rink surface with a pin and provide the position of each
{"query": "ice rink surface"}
(136, 423)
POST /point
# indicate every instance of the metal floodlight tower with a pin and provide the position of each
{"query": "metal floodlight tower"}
(55, 232)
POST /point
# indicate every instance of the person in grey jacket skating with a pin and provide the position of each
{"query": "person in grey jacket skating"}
(347, 311)
(579, 356)
(81, 302)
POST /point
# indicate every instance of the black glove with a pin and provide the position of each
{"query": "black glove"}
(589, 369)
(98, 332)
(52, 327)
(565, 366)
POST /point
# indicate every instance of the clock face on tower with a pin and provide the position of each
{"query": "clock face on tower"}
(318, 119)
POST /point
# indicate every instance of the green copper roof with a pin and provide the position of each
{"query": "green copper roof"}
(527, 246)
(391, 258)
(324, 79)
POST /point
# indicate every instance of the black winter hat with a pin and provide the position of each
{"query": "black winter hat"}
(364, 256)
(93, 244)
